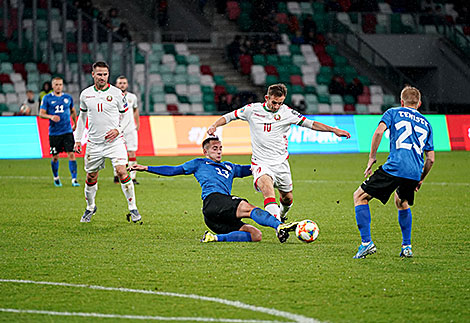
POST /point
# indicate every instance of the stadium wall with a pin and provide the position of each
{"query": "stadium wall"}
(27, 137)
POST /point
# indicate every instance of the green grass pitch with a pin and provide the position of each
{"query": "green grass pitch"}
(41, 239)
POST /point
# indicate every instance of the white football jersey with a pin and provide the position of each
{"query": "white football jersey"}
(132, 103)
(104, 110)
(269, 130)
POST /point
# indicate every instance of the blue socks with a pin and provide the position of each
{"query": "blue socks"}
(240, 236)
(264, 218)
(55, 168)
(73, 168)
(363, 221)
(404, 219)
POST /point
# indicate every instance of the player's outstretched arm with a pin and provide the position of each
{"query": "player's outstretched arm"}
(218, 123)
(159, 170)
(427, 167)
(376, 139)
(318, 126)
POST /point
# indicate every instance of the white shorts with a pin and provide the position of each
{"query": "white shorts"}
(132, 140)
(96, 154)
(280, 174)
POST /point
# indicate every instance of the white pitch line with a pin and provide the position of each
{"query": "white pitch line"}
(132, 317)
(179, 178)
(237, 304)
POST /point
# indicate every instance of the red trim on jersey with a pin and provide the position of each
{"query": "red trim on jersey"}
(126, 180)
(91, 183)
(236, 113)
(132, 158)
(269, 200)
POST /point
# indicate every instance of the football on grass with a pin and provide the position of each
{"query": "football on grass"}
(307, 231)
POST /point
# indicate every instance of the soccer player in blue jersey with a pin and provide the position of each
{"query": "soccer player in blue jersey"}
(403, 172)
(58, 108)
(222, 211)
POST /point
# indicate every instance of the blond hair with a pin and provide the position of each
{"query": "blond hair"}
(410, 96)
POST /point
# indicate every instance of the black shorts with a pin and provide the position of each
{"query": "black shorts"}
(220, 213)
(381, 185)
(61, 143)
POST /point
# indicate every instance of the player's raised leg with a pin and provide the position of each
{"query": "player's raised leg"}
(363, 219)
(286, 200)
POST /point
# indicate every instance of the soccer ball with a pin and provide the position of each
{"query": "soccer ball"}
(307, 231)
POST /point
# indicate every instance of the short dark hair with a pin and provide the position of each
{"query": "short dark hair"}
(277, 90)
(120, 77)
(57, 78)
(100, 64)
(208, 140)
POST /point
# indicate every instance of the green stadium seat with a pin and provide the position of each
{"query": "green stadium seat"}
(285, 60)
(169, 49)
(181, 59)
(207, 89)
(295, 49)
(183, 99)
(219, 80)
(259, 60)
(169, 88)
(271, 79)
(297, 89)
(295, 70)
(336, 99)
(323, 79)
(181, 69)
(322, 89)
(361, 109)
(8, 88)
(312, 108)
(157, 89)
(181, 78)
(298, 60)
(324, 98)
(210, 107)
(310, 89)
(349, 99)
(272, 60)
(193, 59)
(208, 98)
(158, 98)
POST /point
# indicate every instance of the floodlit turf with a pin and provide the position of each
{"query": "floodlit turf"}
(41, 239)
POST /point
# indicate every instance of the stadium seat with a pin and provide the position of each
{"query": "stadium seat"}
(184, 108)
(375, 108)
(337, 108)
(171, 98)
(197, 108)
(324, 108)
(294, 8)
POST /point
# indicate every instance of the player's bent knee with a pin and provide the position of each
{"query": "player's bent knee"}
(256, 236)
(359, 197)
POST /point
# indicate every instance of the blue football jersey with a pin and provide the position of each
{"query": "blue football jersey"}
(61, 106)
(410, 136)
(215, 177)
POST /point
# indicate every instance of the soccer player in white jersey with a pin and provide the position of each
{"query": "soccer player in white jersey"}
(130, 133)
(270, 123)
(104, 105)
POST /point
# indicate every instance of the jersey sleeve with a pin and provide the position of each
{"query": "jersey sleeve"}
(83, 106)
(191, 166)
(429, 144)
(44, 103)
(387, 118)
(244, 113)
(242, 170)
(295, 117)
